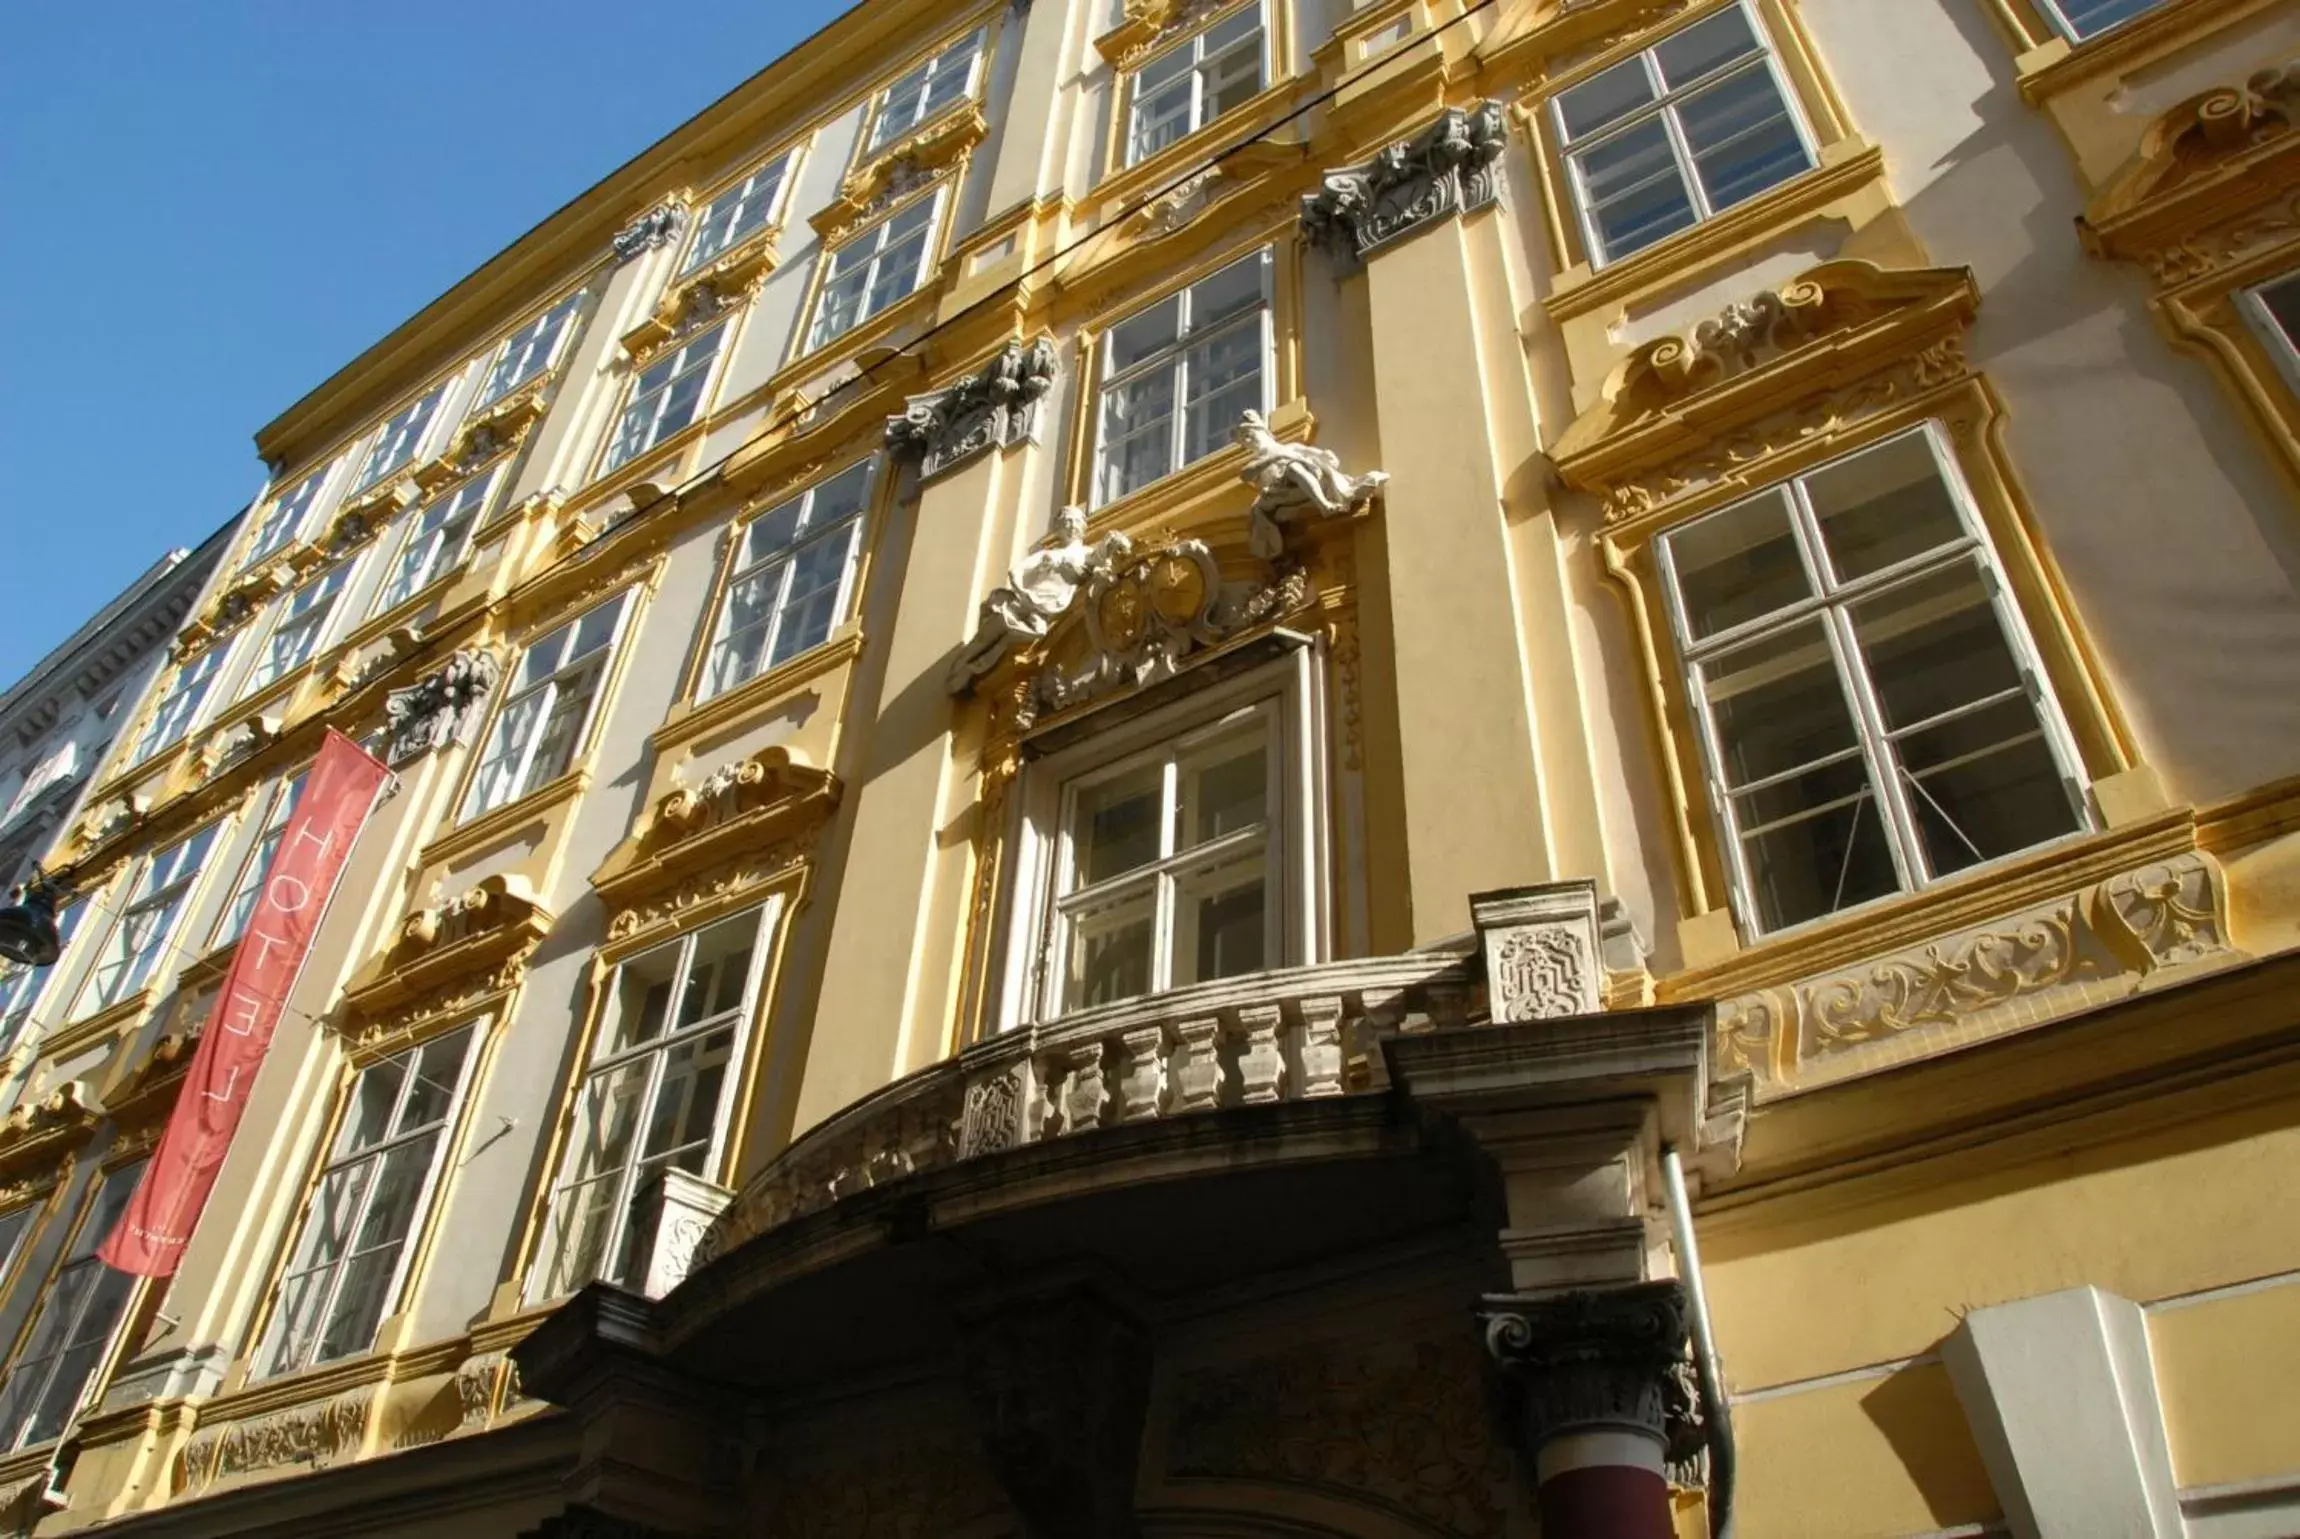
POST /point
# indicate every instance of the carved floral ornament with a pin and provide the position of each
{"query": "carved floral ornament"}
(995, 407)
(1841, 341)
(1451, 167)
(1075, 622)
(744, 824)
(2216, 178)
(917, 161)
(442, 708)
(484, 933)
(1143, 25)
(702, 297)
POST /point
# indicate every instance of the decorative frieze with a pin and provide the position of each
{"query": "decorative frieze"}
(700, 298)
(1452, 167)
(656, 228)
(498, 427)
(2029, 967)
(227, 747)
(311, 1436)
(996, 407)
(442, 708)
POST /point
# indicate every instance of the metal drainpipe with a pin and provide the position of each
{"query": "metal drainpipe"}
(1716, 1411)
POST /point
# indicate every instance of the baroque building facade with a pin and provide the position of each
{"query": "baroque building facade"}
(1250, 767)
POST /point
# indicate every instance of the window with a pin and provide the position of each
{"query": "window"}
(350, 1260)
(1163, 872)
(242, 906)
(73, 1331)
(1685, 130)
(543, 723)
(1175, 377)
(2081, 19)
(654, 1097)
(2274, 311)
(397, 441)
(61, 763)
(438, 536)
(883, 264)
(739, 213)
(668, 394)
(1871, 712)
(285, 518)
(20, 985)
(527, 352)
(941, 81)
(1193, 83)
(179, 707)
(791, 586)
(14, 1225)
(295, 634)
(147, 926)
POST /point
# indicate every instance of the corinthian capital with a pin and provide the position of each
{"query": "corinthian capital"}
(1451, 167)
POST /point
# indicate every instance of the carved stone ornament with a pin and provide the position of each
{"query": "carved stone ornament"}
(1293, 481)
(312, 1436)
(497, 427)
(915, 162)
(475, 935)
(996, 407)
(1542, 951)
(443, 707)
(658, 227)
(2025, 969)
(113, 817)
(1451, 167)
(1607, 1359)
(699, 298)
(39, 1133)
(1144, 24)
(236, 742)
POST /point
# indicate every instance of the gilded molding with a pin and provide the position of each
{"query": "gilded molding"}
(484, 933)
(745, 823)
(919, 160)
(2026, 968)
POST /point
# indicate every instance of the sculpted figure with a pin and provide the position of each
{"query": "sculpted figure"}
(1289, 478)
(1034, 596)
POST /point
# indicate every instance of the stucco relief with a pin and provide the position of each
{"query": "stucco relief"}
(652, 230)
(2026, 968)
(1404, 1424)
(313, 1436)
(1293, 481)
(995, 407)
(441, 709)
(1452, 167)
(1145, 24)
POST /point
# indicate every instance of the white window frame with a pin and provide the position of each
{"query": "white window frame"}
(240, 906)
(598, 1067)
(1175, 356)
(1193, 44)
(1298, 861)
(22, 986)
(1832, 600)
(519, 358)
(523, 782)
(721, 335)
(2282, 346)
(2067, 28)
(285, 515)
(184, 865)
(736, 199)
(806, 537)
(401, 439)
(885, 130)
(303, 618)
(1664, 106)
(875, 231)
(273, 1357)
(459, 511)
(200, 674)
(79, 1261)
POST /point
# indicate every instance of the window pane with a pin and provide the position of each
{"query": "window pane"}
(686, 1106)
(1225, 789)
(438, 1070)
(1221, 919)
(1235, 288)
(1635, 192)
(1983, 785)
(1685, 56)
(1110, 950)
(1603, 98)
(1883, 506)
(1933, 644)
(1137, 433)
(1820, 846)
(1225, 374)
(811, 609)
(563, 728)
(1738, 564)
(1742, 138)
(1118, 824)
(642, 999)
(1138, 336)
(374, 1097)
(2281, 300)
(2090, 18)
(720, 970)
(1160, 118)
(1232, 82)
(1777, 705)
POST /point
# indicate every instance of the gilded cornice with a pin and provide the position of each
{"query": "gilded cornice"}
(493, 924)
(1835, 325)
(2214, 180)
(918, 160)
(772, 802)
(702, 296)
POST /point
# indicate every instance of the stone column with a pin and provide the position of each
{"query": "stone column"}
(1596, 1383)
(1454, 424)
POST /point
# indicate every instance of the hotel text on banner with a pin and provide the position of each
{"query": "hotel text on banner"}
(158, 1223)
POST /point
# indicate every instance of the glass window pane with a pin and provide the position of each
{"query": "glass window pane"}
(1742, 138)
(1235, 288)
(374, 1098)
(1822, 847)
(1118, 824)
(2090, 18)
(1225, 788)
(1932, 644)
(1738, 564)
(1221, 921)
(1225, 374)
(1634, 189)
(1110, 950)
(438, 1070)
(641, 1004)
(1686, 55)
(720, 969)
(1883, 506)
(686, 1105)
(1138, 336)
(1604, 98)
(1778, 705)
(1982, 785)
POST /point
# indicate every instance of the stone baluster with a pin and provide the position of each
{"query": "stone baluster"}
(1142, 1082)
(1261, 1065)
(1321, 1046)
(1198, 1067)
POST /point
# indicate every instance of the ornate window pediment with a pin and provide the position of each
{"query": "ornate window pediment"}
(36, 1136)
(1144, 24)
(449, 957)
(745, 824)
(693, 302)
(903, 168)
(1682, 411)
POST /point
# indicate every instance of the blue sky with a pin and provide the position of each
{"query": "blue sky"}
(214, 204)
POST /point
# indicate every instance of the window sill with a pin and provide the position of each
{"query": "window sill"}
(651, 465)
(1123, 185)
(493, 827)
(1849, 166)
(692, 719)
(1973, 896)
(2059, 65)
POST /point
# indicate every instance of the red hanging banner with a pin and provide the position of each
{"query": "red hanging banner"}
(337, 796)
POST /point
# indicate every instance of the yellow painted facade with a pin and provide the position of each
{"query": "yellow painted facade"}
(762, 735)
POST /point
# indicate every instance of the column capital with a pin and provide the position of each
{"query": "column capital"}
(1602, 1360)
(995, 407)
(1451, 167)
